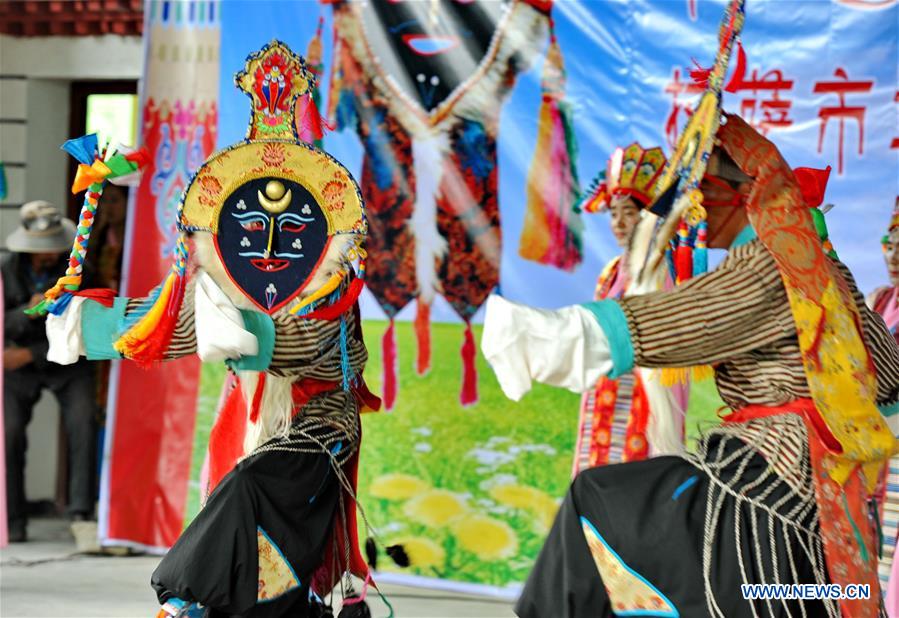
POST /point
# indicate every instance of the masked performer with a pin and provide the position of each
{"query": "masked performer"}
(423, 85)
(614, 414)
(277, 227)
(779, 493)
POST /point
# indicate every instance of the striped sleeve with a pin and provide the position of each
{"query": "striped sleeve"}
(308, 347)
(739, 307)
(184, 340)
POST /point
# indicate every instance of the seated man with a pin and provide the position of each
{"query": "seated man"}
(37, 256)
(778, 493)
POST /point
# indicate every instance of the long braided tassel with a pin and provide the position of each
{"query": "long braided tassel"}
(57, 298)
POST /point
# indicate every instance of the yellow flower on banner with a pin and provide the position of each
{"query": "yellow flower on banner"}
(538, 503)
(435, 508)
(422, 551)
(397, 486)
(487, 538)
(517, 496)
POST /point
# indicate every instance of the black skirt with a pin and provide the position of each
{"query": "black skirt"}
(649, 518)
(290, 498)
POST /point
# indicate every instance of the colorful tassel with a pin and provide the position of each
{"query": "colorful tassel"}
(389, 372)
(701, 250)
(683, 255)
(92, 175)
(552, 227)
(469, 394)
(311, 125)
(423, 337)
(148, 330)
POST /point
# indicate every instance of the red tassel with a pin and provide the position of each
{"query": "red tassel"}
(683, 255)
(388, 359)
(226, 438)
(423, 337)
(257, 398)
(469, 394)
(104, 296)
(311, 126)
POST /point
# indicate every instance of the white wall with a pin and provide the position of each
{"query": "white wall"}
(35, 78)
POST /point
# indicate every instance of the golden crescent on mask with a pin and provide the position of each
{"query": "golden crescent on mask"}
(280, 199)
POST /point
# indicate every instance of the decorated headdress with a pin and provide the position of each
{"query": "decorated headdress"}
(676, 226)
(894, 223)
(286, 219)
(837, 364)
(633, 171)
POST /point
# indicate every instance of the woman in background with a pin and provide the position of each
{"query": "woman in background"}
(614, 415)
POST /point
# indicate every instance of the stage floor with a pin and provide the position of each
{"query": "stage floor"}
(44, 578)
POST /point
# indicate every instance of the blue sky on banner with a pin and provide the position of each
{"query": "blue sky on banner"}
(809, 64)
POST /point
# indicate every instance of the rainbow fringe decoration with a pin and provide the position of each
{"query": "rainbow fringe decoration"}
(552, 226)
(94, 170)
(147, 331)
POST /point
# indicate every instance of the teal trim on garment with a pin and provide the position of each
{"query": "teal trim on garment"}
(286, 561)
(613, 322)
(263, 327)
(890, 409)
(746, 235)
(672, 613)
(100, 328)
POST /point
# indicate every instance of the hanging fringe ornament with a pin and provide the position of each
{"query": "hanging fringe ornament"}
(93, 173)
(371, 553)
(311, 125)
(683, 255)
(148, 329)
(399, 556)
(345, 368)
(389, 372)
(423, 337)
(469, 394)
(701, 250)
(674, 376)
(552, 226)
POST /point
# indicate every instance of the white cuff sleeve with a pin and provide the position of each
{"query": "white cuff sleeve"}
(565, 348)
(219, 325)
(64, 334)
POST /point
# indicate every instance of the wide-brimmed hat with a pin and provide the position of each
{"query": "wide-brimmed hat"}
(42, 229)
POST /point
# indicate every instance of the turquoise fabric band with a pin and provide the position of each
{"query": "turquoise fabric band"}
(746, 235)
(100, 328)
(263, 327)
(890, 409)
(613, 322)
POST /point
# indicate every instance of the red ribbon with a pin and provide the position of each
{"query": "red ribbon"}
(805, 407)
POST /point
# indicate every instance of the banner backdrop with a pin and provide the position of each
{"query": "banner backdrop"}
(151, 412)
(471, 490)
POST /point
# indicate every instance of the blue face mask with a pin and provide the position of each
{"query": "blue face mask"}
(271, 236)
